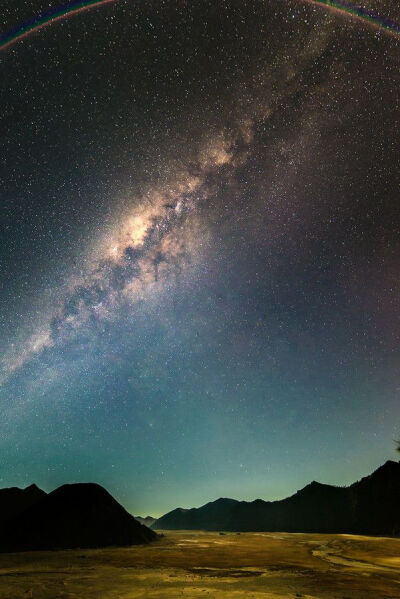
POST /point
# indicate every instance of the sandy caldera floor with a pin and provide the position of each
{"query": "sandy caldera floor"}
(212, 565)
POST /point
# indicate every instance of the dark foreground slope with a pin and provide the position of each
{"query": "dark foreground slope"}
(369, 506)
(13, 501)
(78, 515)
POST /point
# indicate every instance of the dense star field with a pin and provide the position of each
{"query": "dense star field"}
(199, 247)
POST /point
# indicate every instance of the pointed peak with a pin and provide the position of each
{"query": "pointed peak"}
(33, 488)
(313, 487)
(314, 484)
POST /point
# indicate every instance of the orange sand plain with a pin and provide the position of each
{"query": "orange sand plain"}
(212, 565)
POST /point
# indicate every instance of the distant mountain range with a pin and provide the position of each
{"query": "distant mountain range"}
(79, 515)
(369, 506)
(85, 515)
(147, 521)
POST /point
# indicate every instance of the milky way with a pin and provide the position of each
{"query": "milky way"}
(199, 248)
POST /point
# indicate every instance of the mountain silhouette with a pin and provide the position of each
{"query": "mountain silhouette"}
(369, 506)
(147, 521)
(375, 501)
(78, 515)
(13, 500)
(212, 516)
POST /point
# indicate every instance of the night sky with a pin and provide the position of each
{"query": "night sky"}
(199, 258)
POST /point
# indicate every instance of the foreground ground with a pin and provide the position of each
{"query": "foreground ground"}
(212, 565)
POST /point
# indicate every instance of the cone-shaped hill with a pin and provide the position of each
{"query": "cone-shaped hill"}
(79, 515)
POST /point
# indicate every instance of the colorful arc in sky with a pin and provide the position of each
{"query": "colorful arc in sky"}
(361, 12)
(61, 12)
(44, 19)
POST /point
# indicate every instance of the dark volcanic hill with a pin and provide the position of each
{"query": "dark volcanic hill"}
(77, 515)
(13, 501)
(369, 506)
